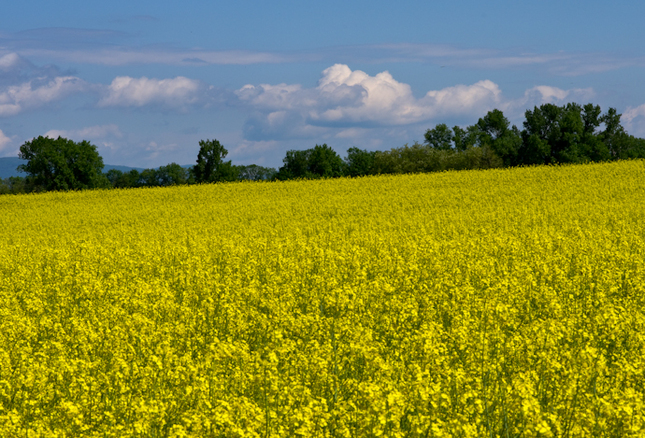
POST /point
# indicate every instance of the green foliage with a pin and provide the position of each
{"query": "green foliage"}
(570, 134)
(359, 162)
(440, 137)
(318, 162)
(494, 131)
(253, 172)
(420, 158)
(14, 185)
(620, 144)
(172, 174)
(61, 164)
(324, 162)
(211, 166)
(169, 175)
(120, 179)
(465, 138)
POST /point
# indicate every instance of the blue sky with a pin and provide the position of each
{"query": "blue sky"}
(145, 81)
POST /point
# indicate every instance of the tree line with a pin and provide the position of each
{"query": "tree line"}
(551, 134)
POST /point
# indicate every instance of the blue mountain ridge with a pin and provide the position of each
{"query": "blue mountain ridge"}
(8, 167)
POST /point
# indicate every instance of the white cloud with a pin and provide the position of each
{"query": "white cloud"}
(353, 99)
(550, 93)
(631, 113)
(345, 101)
(37, 93)
(88, 133)
(5, 143)
(352, 133)
(10, 61)
(464, 99)
(557, 95)
(633, 120)
(345, 97)
(542, 94)
(179, 92)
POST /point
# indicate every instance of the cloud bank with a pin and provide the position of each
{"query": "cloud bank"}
(345, 107)
(179, 92)
(346, 99)
(37, 93)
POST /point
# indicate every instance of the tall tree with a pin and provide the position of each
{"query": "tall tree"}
(494, 131)
(211, 166)
(465, 138)
(541, 137)
(440, 137)
(359, 162)
(62, 164)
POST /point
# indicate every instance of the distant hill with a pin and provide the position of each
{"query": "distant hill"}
(8, 167)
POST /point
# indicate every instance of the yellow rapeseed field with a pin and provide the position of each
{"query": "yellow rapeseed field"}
(498, 303)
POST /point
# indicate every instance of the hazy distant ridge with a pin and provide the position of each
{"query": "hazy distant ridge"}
(8, 167)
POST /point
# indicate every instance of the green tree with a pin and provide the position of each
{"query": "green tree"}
(253, 172)
(359, 162)
(14, 185)
(620, 145)
(295, 165)
(62, 164)
(440, 137)
(319, 162)
(541, 135)
(324, 162)
(149, 178)
(465, 138)
(494, 131)
(211, 166)
(424, 158)
(115, 176)
(592, 145)
(569, 134)
(120, 179)
(171, 175)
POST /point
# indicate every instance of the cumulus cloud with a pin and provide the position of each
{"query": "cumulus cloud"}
(178, 93)
(37, 93)
(344, 97)
(11, 61)
(347, 101)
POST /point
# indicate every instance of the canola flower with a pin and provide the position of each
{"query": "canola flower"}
(498, 303)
